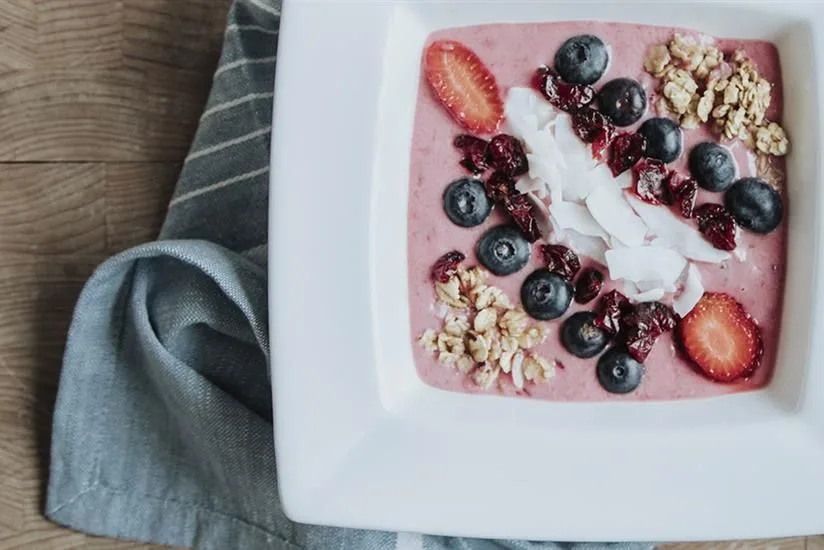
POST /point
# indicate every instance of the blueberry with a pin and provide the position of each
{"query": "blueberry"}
(581, 337)
(582, 59)
(465, 202)
(503, 250)
(663, 138)
(545, 295)
(755, 205)
(623, 100)
(618, 372)
(712, 166)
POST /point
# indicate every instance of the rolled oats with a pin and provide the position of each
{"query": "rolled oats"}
(450, 293)
(456, 325)
(514, 322)
(478, 347)
(704, 108)
(465, 364)
(505, 361)
(486, 376)
(487, 296)
(690, 121)
(518, 371)
(538, 369)
(450, 348)
(698, 86)
(712, 58)
(485, 319)
(532, 337)
(657, 60)
(482, 333)
(428, 340)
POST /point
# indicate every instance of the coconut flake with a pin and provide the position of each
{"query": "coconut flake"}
(652, 295)
(518, 371)
(584, 245)
(692, 293)
(611, 210)
(624, 181)
(545, 171)
(542, 217)
(683, 238)
(645, 263)
(528, 184)
(569, 215)
(576, 153)
(525, 108)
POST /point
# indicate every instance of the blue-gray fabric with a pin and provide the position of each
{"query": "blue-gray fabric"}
(162, 430)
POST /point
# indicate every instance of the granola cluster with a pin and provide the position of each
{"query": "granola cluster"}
(484, 335)
(698, 85)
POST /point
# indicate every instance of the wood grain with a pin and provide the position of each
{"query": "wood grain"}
(18, 34)
(99, 100)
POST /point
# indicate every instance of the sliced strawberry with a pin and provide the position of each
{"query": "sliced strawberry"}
(464, 85)
(721, 338)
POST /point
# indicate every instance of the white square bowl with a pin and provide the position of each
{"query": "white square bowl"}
(362, 442)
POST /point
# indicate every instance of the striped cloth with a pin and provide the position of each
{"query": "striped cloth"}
(162, 430)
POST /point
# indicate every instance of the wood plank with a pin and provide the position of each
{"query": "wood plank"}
(18, 34)
(185, 35)
(136, 200)
(815, 543)
(79, 33)
(52, 208)
(797, 543)
(37, 296)
(99, 115)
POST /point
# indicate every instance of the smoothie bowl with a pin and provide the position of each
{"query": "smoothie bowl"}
(610, 223)
(582, 253)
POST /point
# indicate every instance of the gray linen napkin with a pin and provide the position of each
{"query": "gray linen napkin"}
(162, 430)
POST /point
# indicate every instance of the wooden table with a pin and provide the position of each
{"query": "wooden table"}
(99, 100)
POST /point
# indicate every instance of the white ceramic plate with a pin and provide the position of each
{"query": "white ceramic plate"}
(362, 442)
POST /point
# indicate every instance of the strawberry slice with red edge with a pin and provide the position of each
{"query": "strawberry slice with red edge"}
(721, 338)
(464, 85)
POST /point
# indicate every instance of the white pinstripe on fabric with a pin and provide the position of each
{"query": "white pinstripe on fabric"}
(228, 143)
(234, 103)
(262, 5)
(236, 27)
(241, 62)
(219, 185)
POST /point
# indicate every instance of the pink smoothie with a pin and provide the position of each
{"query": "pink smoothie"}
(513, 52)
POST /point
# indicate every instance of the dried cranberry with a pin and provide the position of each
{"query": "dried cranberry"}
(505, 154)
(500, 186)
(639, 346)
(613, 307)
(474, 152)
(625, 150)
(561, 260)
(523, 213)
(650, 177)
(717, 225)
(683, 192)
(587, 123)
(601, 143)
(588, 285)
(652, 318)
(560, 365)
(564, 96)
(685, 198)
(447, 266)
(644, 323)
